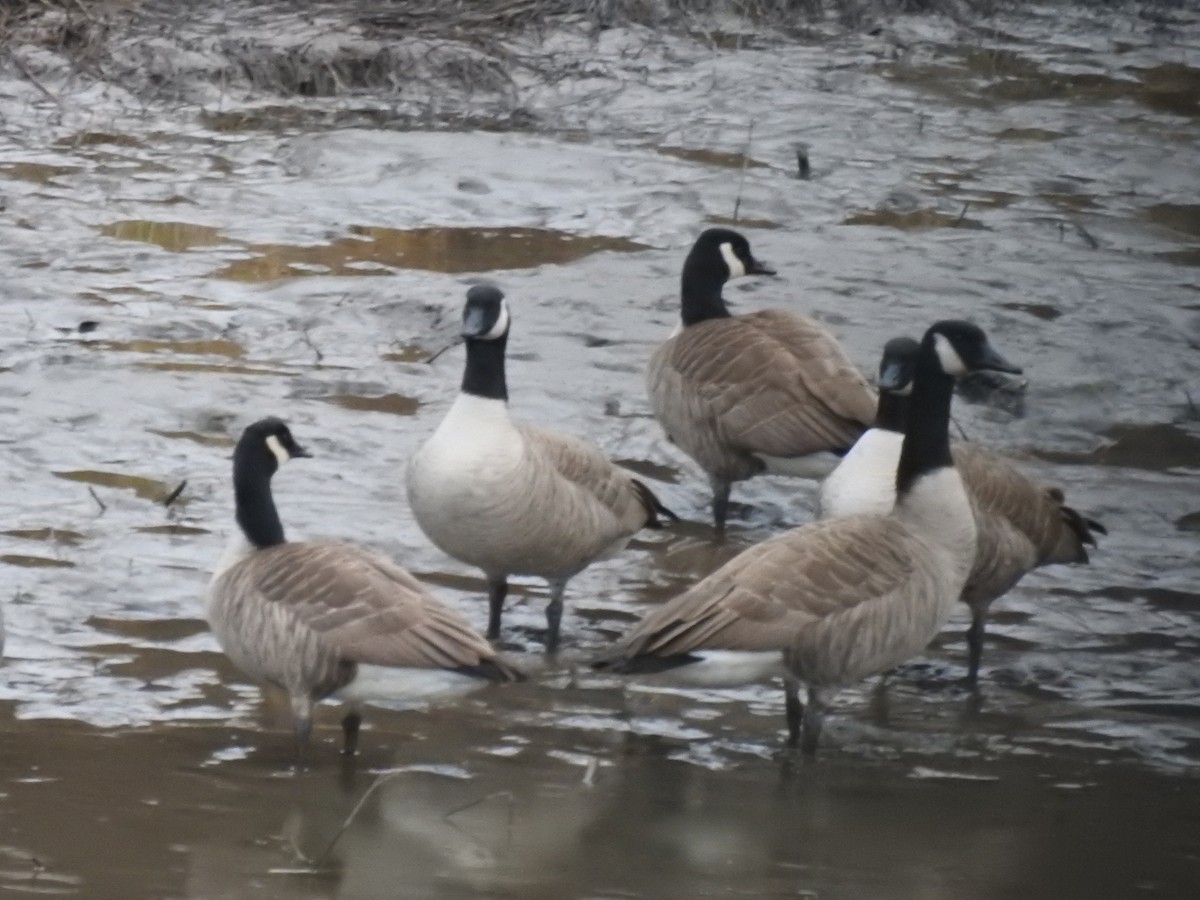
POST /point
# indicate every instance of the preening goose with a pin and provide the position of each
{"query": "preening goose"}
(1020, 525)
(832, 602)
(754, 393)
(328, 620)
(513, 499)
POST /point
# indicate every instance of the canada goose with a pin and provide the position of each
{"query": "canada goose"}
(513, 499)
(1020, 525)
(837, 600)
(753, 393)
(324, 619)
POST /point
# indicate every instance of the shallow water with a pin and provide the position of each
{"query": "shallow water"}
(171, 277)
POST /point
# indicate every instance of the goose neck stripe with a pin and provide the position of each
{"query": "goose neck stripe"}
(278, 449)
(952, 363)
(737, 268)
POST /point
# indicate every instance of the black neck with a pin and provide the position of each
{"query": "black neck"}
(926, 445)
(892, 412)
(701, 297)
(484, 374)
(256, 513)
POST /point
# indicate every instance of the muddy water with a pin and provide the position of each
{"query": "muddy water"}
(166, 282)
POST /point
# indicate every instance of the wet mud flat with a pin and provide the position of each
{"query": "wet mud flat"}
(176, 270)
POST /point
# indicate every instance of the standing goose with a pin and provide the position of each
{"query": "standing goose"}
(328, 620)
(512, 499)
(754, 393)
(838, 600)
(1020, 525)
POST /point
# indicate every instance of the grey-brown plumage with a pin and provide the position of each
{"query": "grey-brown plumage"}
(320, 619)
(513, 499)
(752, 393)
(836, 600)
(1020, 526)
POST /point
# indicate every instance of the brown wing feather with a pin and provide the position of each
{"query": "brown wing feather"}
(370, 609)
(585, 465)
(768, 382)
(1056, 532)
(1020, 524)
(763, 597)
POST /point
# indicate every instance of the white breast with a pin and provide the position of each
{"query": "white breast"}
(865, 481)
(236, 549)
(937, 508)
(464, 473)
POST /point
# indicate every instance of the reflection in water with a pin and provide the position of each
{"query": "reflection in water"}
(720, 158)
(396, 404)
(35, 562)
(53, 535)
(376, 251)
(146, 488)
(451, 250)
(1156, 447)
(516, 815)
(218, 347)
(1181, 217)
(41, 173)
(174, 236)
(370, 250)
(916, 218)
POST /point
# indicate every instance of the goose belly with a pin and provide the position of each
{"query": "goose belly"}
(406, 687)
(865, 481)
(723, 669)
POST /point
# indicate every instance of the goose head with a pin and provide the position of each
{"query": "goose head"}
(718, 255)
(266, 445)
(898, 366)
(962, 347)
(722, 254)
(485, 315)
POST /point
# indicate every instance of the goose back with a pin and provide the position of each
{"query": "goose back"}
(841, 599)
(305, 615)
(731, 391)
(1021, 524)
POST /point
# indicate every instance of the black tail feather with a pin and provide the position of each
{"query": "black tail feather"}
(653, 506)
(495, 669)
(641, 665)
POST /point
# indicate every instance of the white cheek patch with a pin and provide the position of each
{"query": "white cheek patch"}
(952, 363)
(737, 268)
(501, 325)
(905, 391)
(278, 449)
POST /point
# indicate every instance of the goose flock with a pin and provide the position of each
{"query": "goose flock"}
(910, 524)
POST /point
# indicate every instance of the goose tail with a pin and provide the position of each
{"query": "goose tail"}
(653, 506)
(1079, 532)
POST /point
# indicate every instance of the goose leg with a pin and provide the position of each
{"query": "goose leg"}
(794, 709)
(497, 591)
(974, 646)
(814, 718)
(302, 707)
(350, 724)
(554, 611)
(720, 502)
